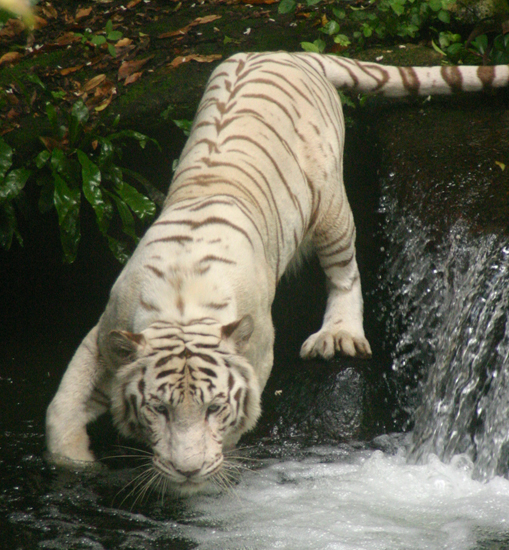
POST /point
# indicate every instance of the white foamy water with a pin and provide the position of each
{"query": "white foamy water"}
(362, 500)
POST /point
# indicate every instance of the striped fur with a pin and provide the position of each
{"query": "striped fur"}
(184, 347)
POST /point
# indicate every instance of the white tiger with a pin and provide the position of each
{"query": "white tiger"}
(185, 346)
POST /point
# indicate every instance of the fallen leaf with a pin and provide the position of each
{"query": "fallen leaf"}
(9, 58)
(123, 46)
(94, 82)
(187, 28)
(70, 70)
(66, 39)
(103, 105)
(206, 19)
(39, 22)
(123, 42)
(132, 78)
(12, 28)
(13, 113)
(49, 11)
(194, 57)
(83, 12)
(259, 1)
(133, 3)
(501, 165)
(129, 67)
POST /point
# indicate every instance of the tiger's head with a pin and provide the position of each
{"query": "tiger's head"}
(188, 393)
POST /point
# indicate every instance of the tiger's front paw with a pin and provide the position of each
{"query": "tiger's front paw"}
(63, 461)
(325, 344)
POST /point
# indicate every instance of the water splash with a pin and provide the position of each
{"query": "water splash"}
(449, 304)
(334, 499)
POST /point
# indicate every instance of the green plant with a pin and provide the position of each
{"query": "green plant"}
(12, 182)
(378, 18)
(109, 37)
(76, 162)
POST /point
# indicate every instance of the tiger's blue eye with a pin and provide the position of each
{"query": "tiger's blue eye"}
(213, 409)
(161, 409)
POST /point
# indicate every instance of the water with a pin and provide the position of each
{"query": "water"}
(323, 498)
(450, 297)
(343, 499)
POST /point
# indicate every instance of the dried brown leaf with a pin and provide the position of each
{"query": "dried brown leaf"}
(132, 78)
(70, 70)
(129, 67)
(103, 105)
(83, 12)
(94, 82)
(194, 57)
(10, 58)
(39, 22)
(12, 28)
(49, 11)
(186, 29)
(66, 39)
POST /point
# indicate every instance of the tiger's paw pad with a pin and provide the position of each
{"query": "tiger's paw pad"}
(325, 344)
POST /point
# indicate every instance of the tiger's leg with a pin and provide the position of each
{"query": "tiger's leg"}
(342, 329)
(76, 403)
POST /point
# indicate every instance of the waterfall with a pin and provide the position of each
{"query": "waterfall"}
(448, 303)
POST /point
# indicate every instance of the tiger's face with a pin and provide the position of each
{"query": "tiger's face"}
(188, 393)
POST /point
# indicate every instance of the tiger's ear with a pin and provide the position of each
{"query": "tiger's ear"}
(125, 346)
(238, 333)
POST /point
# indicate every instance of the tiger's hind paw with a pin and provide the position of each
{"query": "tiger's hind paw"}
(325, 344)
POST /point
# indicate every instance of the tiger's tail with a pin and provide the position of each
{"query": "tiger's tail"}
(361, 76)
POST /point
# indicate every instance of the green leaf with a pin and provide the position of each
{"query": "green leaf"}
(45, 202)
(42, 158)
(79, 112)
(480, 43)
(106, 151)
(5, 158)
(444, 16)
(313, 2)
(397, 8)
(98, 40)
(318, 46)
(109, 26)
(13, 183)
(51, 113)
(114, 35)
(36, 80)
(367, 30)
(67, 204)
(286, 6)
(339, 13)
(79, 117)
(342, 40)
(454, 49)
(125, 216)
(142, 139)
(116, 175)
(435, 5)
(184, 125)
(332, 27)
(91, 178)
(141, 205)
(119, 249)
(309, 47)
(112, 50)
(8, 226)
(437, 49)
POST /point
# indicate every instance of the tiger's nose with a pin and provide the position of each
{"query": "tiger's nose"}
(188, 473)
